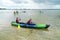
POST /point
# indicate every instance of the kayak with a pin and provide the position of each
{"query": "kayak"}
(32, 25)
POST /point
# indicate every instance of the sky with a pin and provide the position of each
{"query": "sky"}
(30, 4)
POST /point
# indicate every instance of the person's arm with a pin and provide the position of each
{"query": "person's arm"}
(29, 21)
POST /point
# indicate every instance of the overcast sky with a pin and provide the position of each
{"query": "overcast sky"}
(30, 4)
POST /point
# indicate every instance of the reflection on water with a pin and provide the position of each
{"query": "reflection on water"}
(8, 32)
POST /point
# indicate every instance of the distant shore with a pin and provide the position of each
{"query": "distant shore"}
(27, 9)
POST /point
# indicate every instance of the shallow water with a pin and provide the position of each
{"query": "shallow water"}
(8, 32)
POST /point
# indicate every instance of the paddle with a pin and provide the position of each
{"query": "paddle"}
(18, 26)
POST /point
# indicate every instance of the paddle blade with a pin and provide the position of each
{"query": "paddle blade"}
(18, 26)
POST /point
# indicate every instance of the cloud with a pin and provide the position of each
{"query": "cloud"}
(8, 3)
(52, 2)
(19, 1)
(30, 4)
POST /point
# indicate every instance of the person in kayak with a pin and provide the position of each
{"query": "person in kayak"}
(17, 20)
(29, 21)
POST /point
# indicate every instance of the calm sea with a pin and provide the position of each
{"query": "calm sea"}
(8, 32)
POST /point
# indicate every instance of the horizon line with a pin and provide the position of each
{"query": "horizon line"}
(26, 9)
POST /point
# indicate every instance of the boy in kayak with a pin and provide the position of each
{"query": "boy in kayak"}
(17, 20)
(29, 21)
